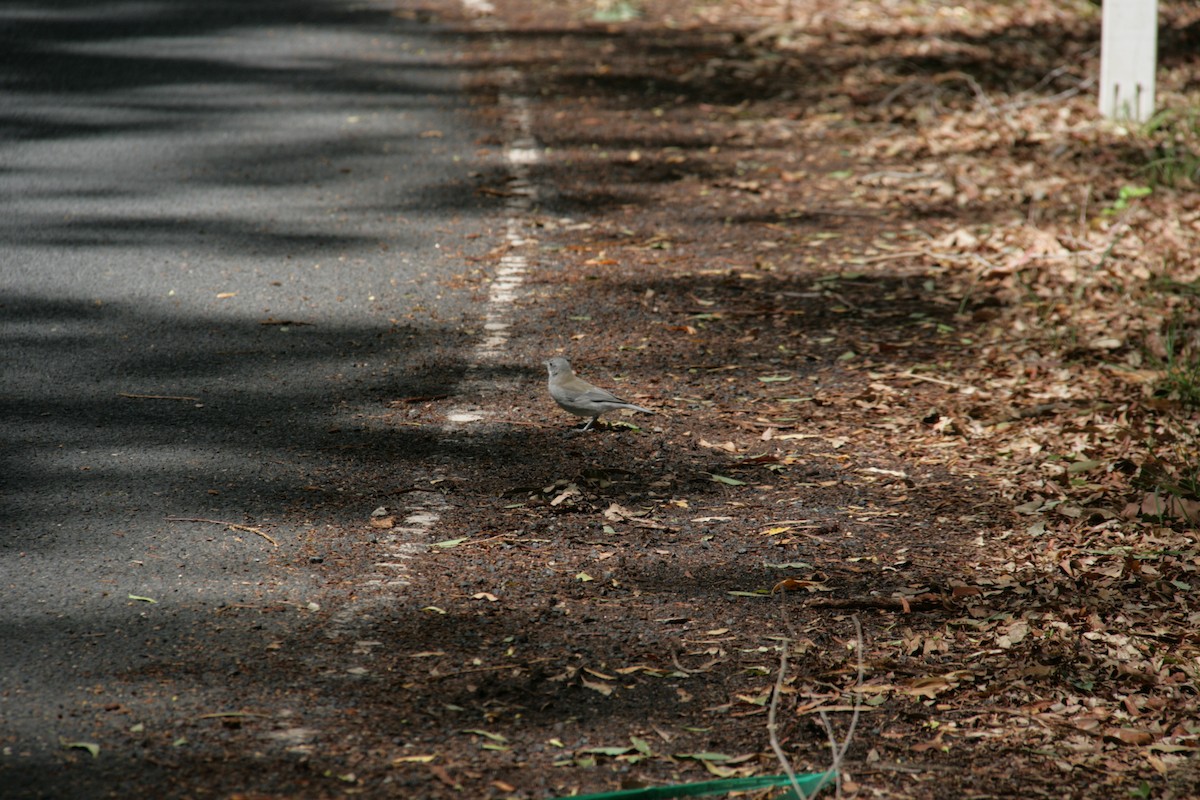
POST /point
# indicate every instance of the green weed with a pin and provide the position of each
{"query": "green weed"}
(1125, 197)
(1175, 157)
(1181, 379)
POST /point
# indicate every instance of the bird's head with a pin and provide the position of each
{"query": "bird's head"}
(558, 366)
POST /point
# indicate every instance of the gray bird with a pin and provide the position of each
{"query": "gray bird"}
(579, 397)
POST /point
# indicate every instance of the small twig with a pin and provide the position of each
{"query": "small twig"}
(899, 90)
(892, 256)
(473, 670)
(928, 379)
(507, 535)
(525, 423)
(827, 212)
(980, 94)
(1056, 72)
(157, 397)
(840, 754)
(1014, 712)
(901, 603)
(431, 489)
(400, 402)
(233, 525)
(927, 87)
(891, 173)
(703, 668)
(838, 750)
(678, 666)
(841, 298)
(229, 606)
(772, 725)
(743, 312)
(753, 423)
(877, 768)
(1083, 86)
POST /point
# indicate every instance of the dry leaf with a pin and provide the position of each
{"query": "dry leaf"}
(1129, 736)
(1014, 635)
(618, 513)
(795, 584)
(420, 759)
(571, 491)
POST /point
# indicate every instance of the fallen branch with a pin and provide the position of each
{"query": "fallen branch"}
(744, 423)
(400, 402)
(474, 670)
(891, 256)
(930, 379)
(231, 714)
(234, 525)
(157, 397)
(705, 668)
(526, 423)
(904, 604)
(506, 535)
(905, 768)
(838, 212)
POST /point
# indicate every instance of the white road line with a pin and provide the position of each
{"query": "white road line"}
(478, 8)
(400, 546)
(518, 157)
(403, 545)
(521, 154)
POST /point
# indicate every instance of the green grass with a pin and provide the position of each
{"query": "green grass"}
(1174, 159)
(1181, 367)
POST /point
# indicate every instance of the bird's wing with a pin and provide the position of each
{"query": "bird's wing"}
(597, 395)
(608, 398)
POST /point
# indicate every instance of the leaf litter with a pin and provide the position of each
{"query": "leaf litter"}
(971, 366)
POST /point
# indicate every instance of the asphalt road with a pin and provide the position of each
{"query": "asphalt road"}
(226, 229)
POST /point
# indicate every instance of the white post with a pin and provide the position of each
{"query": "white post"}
(1128, 58)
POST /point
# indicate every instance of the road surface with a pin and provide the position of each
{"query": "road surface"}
(226, 234)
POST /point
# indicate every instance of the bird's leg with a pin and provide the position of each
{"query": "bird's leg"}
(589, 424)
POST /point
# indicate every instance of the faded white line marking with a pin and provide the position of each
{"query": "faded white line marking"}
(478, 8)
(510, 275)
(393, 570)
(521, 153)
(403, 545)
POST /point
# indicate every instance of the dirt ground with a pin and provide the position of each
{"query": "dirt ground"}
(920, 357)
